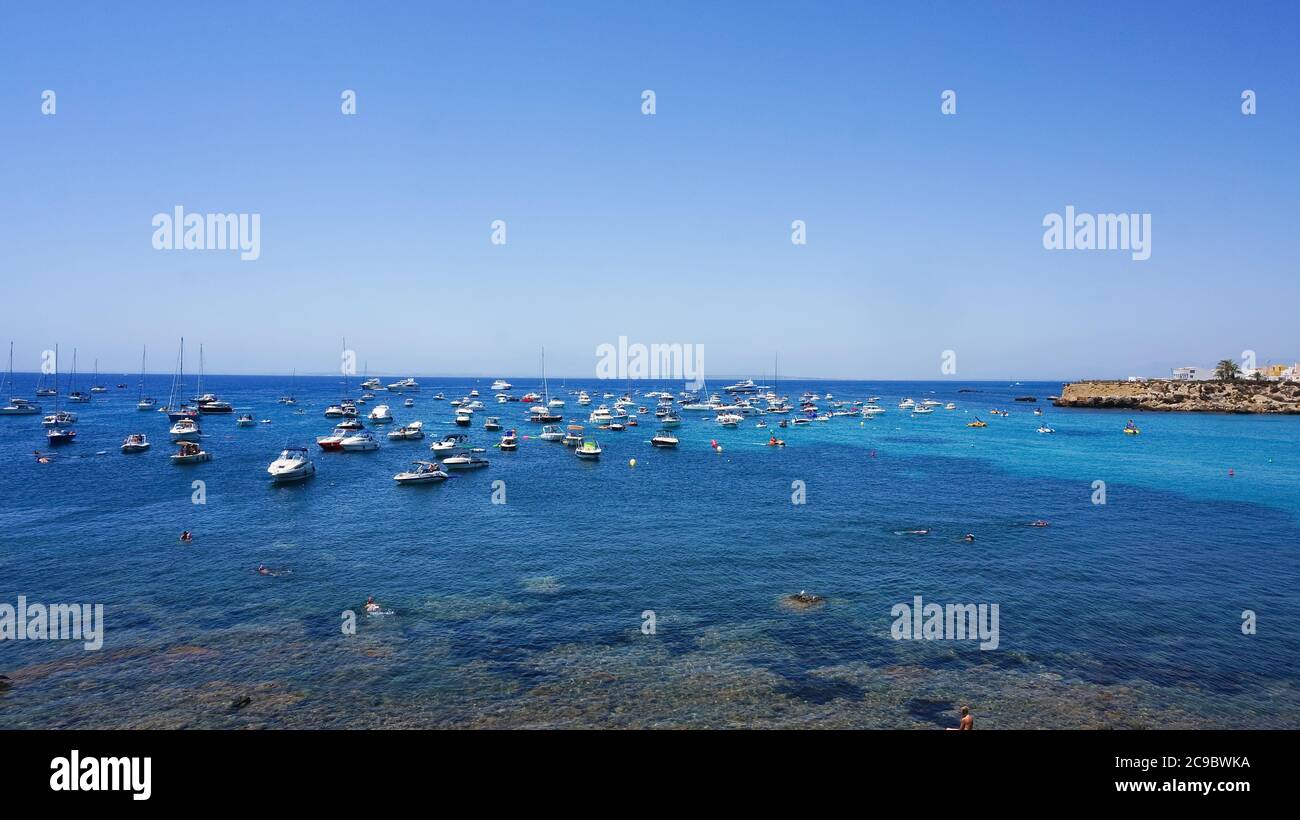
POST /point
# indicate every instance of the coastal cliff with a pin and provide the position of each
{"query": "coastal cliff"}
(1240, 396)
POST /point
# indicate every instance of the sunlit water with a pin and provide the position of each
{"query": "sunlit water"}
(529, 613)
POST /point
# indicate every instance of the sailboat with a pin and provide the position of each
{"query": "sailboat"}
(542, 412)
(208, 402)
(175, 411)
(288, 397)
(16, 406)
(73, 393)
(57, 432)
(95, 386)
(145, 402)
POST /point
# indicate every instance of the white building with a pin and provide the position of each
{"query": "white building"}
(1192, 374)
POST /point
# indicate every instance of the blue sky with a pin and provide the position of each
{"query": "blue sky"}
(924, 230)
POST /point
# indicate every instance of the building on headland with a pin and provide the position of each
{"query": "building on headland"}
(1192, 374)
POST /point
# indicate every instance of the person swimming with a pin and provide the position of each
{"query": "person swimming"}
(371, 606)
(1039, 523)
(262, 570)
(187, 537)
(970, 536)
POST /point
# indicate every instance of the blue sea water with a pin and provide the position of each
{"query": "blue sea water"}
(530, 613)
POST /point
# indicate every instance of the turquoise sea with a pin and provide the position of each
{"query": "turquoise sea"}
(529, 613)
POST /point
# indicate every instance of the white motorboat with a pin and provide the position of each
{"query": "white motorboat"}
(408, 403)
(551, 432)
(1044, 428)
(449, 443)
(600, 415)
(464, 417)
(872, 410)
(20, 407)
(189, 453)
(292, 465)
(574, 437)
(439, 397)
(59, 418)
(492, 424)
(405, 385)
(407, 432)
(186, 430)
(670, 420)
(542, 414)
(334, 441)
(556, 403)
(922, 410)
(589, 449)
(382, 414)
(421, 472)
(245, 420)
(731, 420)
(664, 438)
(931, 403)
(464, 461)
(501, 384)
(359, 441)
(372, 384)
(334, 411)
(584, 399)
(135, 443)
(950, 406)
(510, 441)
(906, 404)
(746, 386)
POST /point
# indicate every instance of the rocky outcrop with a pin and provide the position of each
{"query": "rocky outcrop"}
(1240, 396)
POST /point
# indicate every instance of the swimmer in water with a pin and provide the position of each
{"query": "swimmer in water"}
(1039, 523)
(970, 536)
(262, 570)
(187, 537)
(371, 606)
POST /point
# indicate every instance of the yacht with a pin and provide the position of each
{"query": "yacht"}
(351, 424)
(414, 430)
(245, 420)
(405, 385)
(551, 432)
(190, 453)
(529, 398)
(670, 420)
(292, 465)
(922, 411)
(664, 438)
(185, 430)
(600, 415)
(421, 472)
(501, 384)
(381, 414)
(334, 411)
(543, 415)
(556, 403)
(473, 393)
(60, 435)
(211, 404)
(589, 449)
(510, 441)
(449, 443)
(359, 441)
(730, 420)
(872, 410)
(20, 407)
(906, 404)
(59, 418)
(746, 386)
(372, 384)
(135, 443)
(464, 461)
(584, 399)
(334, 441)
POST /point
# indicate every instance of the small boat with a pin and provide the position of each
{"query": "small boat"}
(551, 432)
(439, 397)
(632, 422)
(292, 465)
(872, 410)
(730, 420)
(1044, 428)
(414, 430)
(922, 411)
(334, 411)
(671, 420)
(762, 425)
(616, 426)
(408, 403)
(59, 418)
(584, 399)
(664, 438)
(382, 414)
(20, 407)
(351, 424)
(189, 453)
(950, 406)
(510, 441)
(501, 384)
(978, 423)
(574, 437)
(543, 415)
(464, 461)
(906, 404)
(556, 403)
(334, 441)
(135, 443)
(359, 441)
(245, 420)
(589, 449)
(185, 430)
(1130, 430)
(449, 443)
(493, 423)
(464, 417)
(421, 472)
(473, 393)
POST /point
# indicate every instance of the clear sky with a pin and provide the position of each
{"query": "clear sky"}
(924, 230)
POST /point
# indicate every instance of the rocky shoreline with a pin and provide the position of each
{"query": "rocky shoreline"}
(1239, 396)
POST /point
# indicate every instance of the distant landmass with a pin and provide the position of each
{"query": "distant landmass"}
(1237, 396)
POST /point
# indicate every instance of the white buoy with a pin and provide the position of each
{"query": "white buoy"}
(631, 462)
(719, 448)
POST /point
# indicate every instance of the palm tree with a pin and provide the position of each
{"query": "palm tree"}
(1226, 370)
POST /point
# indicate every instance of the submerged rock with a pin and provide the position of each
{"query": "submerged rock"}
(240, 702)
(803, 600)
